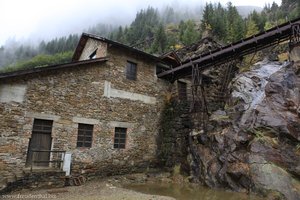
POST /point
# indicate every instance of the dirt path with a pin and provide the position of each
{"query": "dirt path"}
(101, 189)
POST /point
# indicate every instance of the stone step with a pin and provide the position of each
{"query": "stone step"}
(37, 170)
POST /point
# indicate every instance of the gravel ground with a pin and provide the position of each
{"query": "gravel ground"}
(101, 189)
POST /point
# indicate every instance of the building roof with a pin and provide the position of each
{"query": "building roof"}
(85, 36)
(76, 55)
(50, 68)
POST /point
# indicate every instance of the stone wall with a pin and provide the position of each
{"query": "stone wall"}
(174, 130)
(46, 179)
(173, 136)
(91, 46)
(76, 95)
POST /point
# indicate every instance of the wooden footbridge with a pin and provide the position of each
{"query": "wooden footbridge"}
(225, 57)
(287, 31)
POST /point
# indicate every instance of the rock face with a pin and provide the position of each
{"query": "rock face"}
(203, 46)
(255, 143)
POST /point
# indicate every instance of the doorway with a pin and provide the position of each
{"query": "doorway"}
(40, 143)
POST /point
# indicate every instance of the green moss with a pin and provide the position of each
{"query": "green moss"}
(258, 134)
(298, 147)
(274, 195)
(266, 135)
(176, 170)
(223, 117)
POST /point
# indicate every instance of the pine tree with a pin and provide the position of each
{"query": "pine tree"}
(169, 15)
(120, 35)
(235, 24)
(182, 28)
(160, 41)
(143, 27)
(190, 35)
(252, 28)
(219, 22)
(259, 20)
(207, 17)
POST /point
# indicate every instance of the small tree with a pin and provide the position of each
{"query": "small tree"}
(252, 28)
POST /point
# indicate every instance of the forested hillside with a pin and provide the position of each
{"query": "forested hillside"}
(157, 31)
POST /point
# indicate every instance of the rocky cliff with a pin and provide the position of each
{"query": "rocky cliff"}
(253, 145)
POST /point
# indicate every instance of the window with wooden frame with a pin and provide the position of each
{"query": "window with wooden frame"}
(85, 135)
(41, 126)
(120, 138)
(131, 70)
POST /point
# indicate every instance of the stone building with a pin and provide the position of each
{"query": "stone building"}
(103, 109)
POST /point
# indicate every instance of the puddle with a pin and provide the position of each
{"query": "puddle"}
(184, 192)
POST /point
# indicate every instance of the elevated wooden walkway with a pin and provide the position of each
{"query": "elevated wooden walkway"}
(287, 31)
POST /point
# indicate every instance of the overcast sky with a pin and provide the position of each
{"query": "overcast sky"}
(21, 19)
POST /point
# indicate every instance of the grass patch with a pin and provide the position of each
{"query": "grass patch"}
(265, 135)
(41, 60)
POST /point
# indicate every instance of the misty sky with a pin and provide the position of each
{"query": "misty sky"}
(44, 19)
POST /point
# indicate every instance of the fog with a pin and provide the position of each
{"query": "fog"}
(35, 20)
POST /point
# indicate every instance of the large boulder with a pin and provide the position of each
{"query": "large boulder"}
(254, 146)
(270, 97)
(270, 178)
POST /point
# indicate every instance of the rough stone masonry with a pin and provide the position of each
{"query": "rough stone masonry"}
(96, 93)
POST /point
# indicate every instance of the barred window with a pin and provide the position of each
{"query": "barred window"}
(41, 126)
(131, 69)
(85, 135)
(120, 138)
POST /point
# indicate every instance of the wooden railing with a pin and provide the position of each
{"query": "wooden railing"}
(287, 31)
(56, 159)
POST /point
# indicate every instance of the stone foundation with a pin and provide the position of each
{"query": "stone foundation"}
(42, 179)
